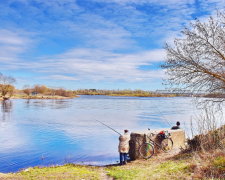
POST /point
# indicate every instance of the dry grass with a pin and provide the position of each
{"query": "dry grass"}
(214, 139)
(209, 165)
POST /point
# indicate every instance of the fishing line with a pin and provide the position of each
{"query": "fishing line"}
(108, 126)
(165, 119)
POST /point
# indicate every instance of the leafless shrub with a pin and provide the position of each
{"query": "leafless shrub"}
(210, 130)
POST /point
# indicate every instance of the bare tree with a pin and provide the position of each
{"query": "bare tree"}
(197, 60)
(27, 90)
(6, 87)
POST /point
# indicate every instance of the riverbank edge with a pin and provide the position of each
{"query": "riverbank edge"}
(110, 171)
(185, 165)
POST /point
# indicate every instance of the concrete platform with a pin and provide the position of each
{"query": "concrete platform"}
(138, 138)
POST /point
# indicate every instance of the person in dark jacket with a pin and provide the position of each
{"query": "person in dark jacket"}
(177, 126)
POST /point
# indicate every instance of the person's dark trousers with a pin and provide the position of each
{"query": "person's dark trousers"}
(123, 158)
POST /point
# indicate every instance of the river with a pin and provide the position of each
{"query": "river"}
(49, 132)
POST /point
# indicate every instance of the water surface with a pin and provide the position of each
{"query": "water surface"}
(49, 132)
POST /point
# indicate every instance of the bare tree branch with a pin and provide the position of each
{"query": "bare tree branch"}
(197, 61)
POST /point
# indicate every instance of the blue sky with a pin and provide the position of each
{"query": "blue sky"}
(103, 44)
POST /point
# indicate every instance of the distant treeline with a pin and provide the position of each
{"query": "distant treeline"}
(126, 92)
(43, 90)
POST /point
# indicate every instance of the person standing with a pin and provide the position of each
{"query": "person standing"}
(177, 126)
(124, 146)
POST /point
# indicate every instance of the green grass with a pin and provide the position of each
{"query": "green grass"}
(134, 171)
(120, 173)
(165, 170)
(66, 172)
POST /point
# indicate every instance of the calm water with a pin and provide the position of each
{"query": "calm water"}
(49, 132)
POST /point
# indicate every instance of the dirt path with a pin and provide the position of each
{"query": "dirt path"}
(104, 175)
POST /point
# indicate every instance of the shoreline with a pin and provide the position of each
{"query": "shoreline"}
(167, 166)
(160, 155)
(60, 165)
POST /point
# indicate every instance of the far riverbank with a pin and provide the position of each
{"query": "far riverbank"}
(18, 96)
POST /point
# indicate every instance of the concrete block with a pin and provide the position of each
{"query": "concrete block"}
(138, 138)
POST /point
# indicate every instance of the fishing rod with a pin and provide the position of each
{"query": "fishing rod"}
(108, 127)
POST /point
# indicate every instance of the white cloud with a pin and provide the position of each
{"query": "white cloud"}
(176, 3)
(99, 32)
(12, 44)
(145, 1)
(97, 65)
(60, 77)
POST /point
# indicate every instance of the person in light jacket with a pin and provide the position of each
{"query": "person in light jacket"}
(124, 146)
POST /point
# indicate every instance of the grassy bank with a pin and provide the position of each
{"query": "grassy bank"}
(182, 166)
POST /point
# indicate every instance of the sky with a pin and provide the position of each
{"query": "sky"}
(102, 44)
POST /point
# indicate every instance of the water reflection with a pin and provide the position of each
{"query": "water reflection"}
(6, 108)
(46, 132)
(52, 103)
